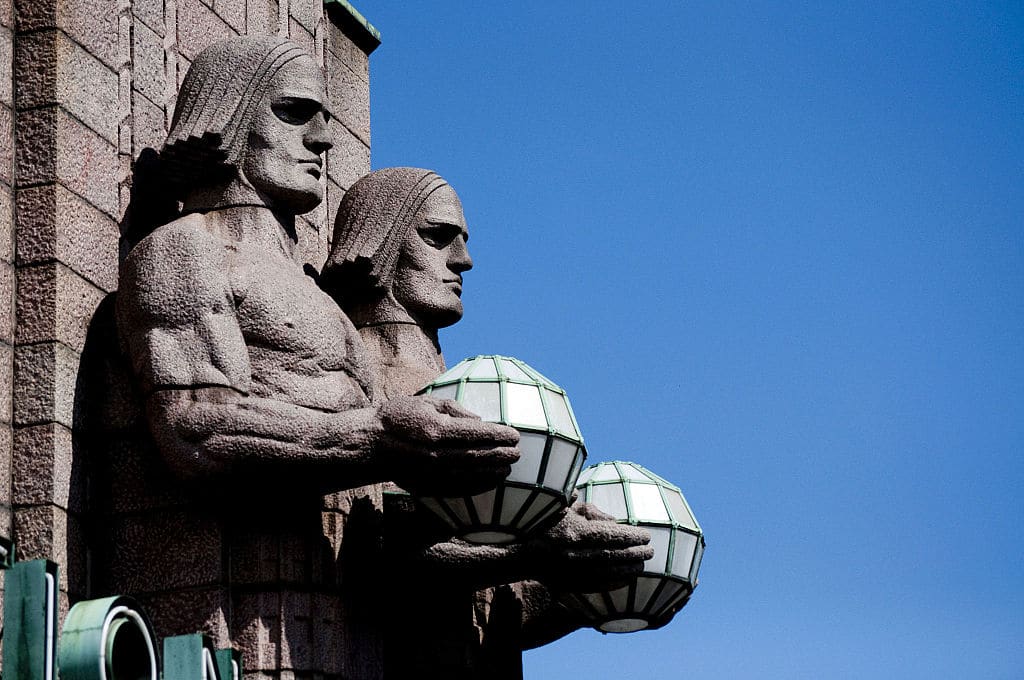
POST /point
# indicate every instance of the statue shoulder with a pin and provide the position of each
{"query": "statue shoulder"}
(181, 245)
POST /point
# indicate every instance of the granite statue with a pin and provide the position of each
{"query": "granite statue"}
(260, 398)
(396, 268)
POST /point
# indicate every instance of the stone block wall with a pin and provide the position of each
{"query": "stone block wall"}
(86, 87)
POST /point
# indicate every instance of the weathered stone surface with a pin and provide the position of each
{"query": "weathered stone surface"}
(6, 223)
(334, 195)
(53, 146)
(350, 100)
(166, 549)
(6, 145)
(6, 66)
(93, 25)
(191, 609)
(44, 384)
(56, 224)
(349, 159)
(198, 27)
(43, 467)
(298, 34)
(6, 463)
(262, 17)
(306, 12)
(149, 75)
(6, 378)
(343, 49)
(52, 69)
(149, 124)
(151, 13)
(46, 531)
(54, 303)
(7, 303)
(232, 12)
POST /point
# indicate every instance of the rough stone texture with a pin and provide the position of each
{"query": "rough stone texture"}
(262, 17)
(298, 34)
(6, 463)
(6, 66)
(231, 11)
(44, 384)
(149, 123)
(52, 69)
(198, 27)
(151, 13)
(343, 49)
(6, 378)
(349, 159)
(148, 76)
(47, 531)
(47, 449)
(6, 224)
(6, 145)
(6, 303)
(55, 224)
(93, 25)
(54, 303)
(53, 145)
(350, 99)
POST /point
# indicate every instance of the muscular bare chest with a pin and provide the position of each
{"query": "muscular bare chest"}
(301, 346)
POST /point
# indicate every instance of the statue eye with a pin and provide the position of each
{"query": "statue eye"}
(438, 235)
(296, 110)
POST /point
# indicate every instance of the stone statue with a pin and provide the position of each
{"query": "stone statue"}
(396, 269)
(258, 392)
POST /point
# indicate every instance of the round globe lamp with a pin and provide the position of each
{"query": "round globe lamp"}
(634, 495)
(508, 391)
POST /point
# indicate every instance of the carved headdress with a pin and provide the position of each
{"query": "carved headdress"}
(373, 220)
(217, 102)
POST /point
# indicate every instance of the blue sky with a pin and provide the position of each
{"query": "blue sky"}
(775, 253)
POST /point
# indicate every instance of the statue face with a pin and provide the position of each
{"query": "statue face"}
(428, 277)
(283, 160)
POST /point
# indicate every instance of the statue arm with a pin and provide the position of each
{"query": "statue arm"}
(178, 322)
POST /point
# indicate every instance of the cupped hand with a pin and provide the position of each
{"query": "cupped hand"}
(438, 448)
(588, 551)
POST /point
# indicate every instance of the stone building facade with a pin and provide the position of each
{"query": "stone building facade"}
(87, 89)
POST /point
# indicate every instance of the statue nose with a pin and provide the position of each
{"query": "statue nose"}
(318, 135)
(458, 257)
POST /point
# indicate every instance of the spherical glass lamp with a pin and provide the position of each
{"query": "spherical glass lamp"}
(507, 391)
(637, 496)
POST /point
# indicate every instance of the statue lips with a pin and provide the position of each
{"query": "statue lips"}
(455, 284)
(313, 166)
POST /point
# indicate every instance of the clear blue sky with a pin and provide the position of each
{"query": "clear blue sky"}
(775, 253)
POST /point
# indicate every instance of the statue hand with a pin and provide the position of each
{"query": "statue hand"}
(438, 448)
(588, 551)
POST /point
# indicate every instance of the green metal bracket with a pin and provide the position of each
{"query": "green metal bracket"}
(30, 621)
(229, 664)
(106, 639)
(190, 657)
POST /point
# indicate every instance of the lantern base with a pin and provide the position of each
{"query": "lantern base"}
(622, 626)
(490, 537)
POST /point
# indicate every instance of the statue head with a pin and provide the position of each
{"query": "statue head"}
(251, 112)
(399, 250)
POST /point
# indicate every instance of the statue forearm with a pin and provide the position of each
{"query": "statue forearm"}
(212, 431)
(426, 444)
